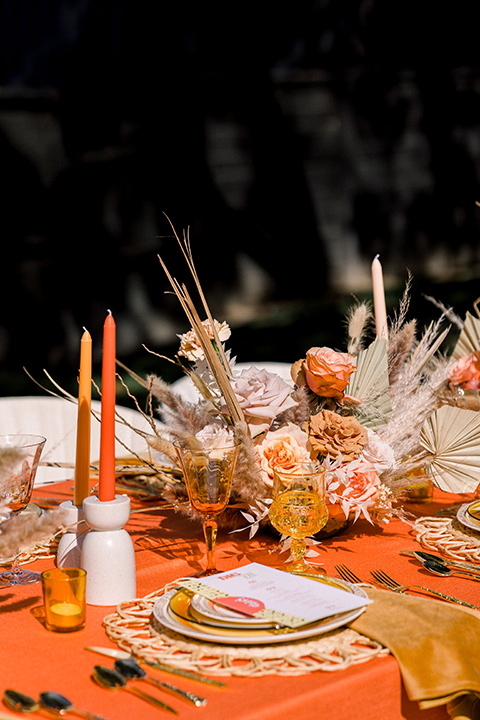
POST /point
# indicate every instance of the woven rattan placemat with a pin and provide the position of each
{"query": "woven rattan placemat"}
(444, 533)
(134, 630)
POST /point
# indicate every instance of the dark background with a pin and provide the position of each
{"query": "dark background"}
(294, 140)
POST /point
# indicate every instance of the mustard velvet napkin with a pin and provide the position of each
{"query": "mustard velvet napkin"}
(436, 644)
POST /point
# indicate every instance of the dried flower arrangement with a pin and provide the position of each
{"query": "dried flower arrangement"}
(372, 415)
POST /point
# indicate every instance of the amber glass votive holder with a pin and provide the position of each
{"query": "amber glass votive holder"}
(420, 488)
(64, 599)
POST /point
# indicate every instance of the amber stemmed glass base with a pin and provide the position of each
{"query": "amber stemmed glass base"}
(299, 510)
(208, 476)
(210, 533)
(299, 565)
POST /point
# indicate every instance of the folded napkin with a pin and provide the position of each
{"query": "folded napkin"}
(436, 644)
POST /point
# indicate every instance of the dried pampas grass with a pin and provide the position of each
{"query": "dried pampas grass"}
(9, 459)
(358, 319)
(23, 532)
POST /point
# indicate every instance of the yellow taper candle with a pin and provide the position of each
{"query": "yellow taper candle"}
(379, 299)
(82, 461)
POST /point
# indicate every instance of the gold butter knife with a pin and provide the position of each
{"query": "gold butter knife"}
(123, 655)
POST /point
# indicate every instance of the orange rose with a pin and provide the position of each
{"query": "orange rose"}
(466, 372)
(325, 371)
(331, 434)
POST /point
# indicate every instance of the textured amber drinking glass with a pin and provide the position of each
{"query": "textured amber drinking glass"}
(208, 474)
(64, 599)
(299, 509)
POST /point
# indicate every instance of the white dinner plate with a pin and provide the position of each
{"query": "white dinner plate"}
(466, 519)
(226, 636)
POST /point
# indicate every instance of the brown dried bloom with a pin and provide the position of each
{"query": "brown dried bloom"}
(331, 434)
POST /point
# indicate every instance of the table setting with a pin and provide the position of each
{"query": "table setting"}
(195, 570)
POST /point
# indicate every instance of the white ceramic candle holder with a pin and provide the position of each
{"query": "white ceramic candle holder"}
(70, 546)
(107, 551)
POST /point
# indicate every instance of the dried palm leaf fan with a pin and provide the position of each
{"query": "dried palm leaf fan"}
(371, 380)
(451, 436)
(469, 338)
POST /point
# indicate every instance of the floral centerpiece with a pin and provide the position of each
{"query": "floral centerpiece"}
(370, 414)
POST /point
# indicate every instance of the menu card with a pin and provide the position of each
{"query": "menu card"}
(264, 592)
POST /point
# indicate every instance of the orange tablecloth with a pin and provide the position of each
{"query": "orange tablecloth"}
(169, 546)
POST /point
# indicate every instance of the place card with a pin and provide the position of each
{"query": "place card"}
(264, 592)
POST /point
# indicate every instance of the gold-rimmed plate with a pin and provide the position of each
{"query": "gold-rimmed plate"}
(466, 515)
(473, 510)
(208, 612)
(173, 611)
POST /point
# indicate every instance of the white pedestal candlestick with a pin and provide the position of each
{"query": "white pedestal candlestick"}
(69, 551)
(107, 551)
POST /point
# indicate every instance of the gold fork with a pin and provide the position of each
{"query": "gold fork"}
(347, 574)
(381, 578)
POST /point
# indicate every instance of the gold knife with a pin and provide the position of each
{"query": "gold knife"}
(123, 655)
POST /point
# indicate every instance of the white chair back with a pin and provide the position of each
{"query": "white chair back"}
(56, 420)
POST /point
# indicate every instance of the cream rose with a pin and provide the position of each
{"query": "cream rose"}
(215, 436)
(378, 452)
(191, 348)
(262, 396)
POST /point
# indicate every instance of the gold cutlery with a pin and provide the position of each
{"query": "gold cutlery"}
(60, 705)
(187, 674)
(53, 703)
(421, 555)
(381, 578)
(131, 670)
(346, 574)
(438, 568)
(112, 680)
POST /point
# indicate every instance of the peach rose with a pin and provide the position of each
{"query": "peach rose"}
(331, 434)
(356, 487)
(466, 372)
(325, 371)
(363, 486)
(283, 448)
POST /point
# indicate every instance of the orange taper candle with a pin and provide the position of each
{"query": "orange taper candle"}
(106, 483)
(82, 461)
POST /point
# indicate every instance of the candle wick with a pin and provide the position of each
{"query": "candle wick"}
(109, 312)
(376, 256)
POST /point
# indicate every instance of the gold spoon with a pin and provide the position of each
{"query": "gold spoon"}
(112, 680)
(131, 670)
(438, 568)
(53, 703)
